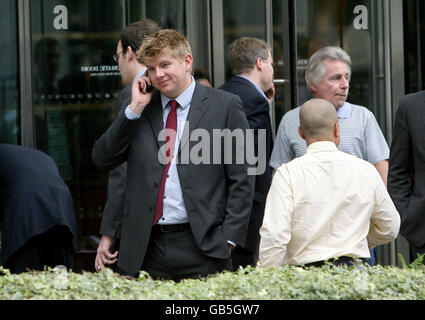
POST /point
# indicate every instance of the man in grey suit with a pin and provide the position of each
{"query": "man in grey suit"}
(130, 41)
(406, 176)
(182, 217)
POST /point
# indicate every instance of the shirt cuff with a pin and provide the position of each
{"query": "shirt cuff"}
(231, 243)
(130, 114)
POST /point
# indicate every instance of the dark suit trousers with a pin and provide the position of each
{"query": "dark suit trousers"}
(243, 258)
(51, 248)
(414, 252)
(175, 256)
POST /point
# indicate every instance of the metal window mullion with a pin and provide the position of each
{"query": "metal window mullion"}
(25, 75)
(218, 42)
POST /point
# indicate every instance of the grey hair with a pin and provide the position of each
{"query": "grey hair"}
(315, 70)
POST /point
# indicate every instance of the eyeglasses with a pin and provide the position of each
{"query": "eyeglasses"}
(117, 56)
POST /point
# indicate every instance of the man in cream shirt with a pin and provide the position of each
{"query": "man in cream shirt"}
(326, 204)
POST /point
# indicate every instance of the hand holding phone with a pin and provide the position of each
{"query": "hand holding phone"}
(141, 94)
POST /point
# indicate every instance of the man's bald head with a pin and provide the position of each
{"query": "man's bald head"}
(318, 121)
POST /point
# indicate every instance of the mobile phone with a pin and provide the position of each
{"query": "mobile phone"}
(149, 87)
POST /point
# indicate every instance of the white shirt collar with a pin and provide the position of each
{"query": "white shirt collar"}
(183, 99)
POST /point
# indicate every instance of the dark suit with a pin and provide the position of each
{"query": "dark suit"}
(114, 207)
(256, 109)
(39, 226)
(406, 176)
(217, 197)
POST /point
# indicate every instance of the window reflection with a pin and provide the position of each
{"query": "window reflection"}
(75, 81)
(166, 13)
(9, 93)
(247, 20)
(414, 38)
(75, 84)
(323, 23)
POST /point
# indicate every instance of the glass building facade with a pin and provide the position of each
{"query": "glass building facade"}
(59, 82)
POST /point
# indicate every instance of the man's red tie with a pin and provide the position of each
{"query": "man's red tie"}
(170, 131)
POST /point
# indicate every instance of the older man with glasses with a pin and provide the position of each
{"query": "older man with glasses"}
(328, 76)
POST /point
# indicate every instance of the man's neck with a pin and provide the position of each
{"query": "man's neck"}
(137, 69)
(253, 77)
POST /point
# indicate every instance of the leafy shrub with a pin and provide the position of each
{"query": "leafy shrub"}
(287, 282)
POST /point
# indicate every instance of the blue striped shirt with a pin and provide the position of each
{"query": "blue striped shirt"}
(360, 134)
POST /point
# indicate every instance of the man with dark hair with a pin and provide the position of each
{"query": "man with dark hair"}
(130, 41)
(182, 218)
(252, 66)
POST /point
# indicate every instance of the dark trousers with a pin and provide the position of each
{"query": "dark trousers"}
(414, 252)
(51, 248)
(175, 256)
(242, 258)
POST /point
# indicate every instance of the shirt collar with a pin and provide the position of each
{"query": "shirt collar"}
(183, 99)
(321, 146)
(255, 85)
(344, 111)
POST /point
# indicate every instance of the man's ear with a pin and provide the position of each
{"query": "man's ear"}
(312, 87)
(336, 130)
(301, 132)
(189, 62)
(337, 137)
(259, 64)
(130, 53)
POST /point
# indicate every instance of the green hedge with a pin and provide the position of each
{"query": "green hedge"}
(287, 282)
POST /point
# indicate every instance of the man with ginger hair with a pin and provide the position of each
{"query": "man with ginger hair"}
(326, 204)
(181, 220)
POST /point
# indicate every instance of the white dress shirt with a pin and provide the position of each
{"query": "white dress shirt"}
(323, 205)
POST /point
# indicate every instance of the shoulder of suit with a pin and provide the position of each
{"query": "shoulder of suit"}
(125, 92)
(217, 93)
(413, 98)
(244, 89)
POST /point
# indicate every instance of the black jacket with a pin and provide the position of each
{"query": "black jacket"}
(406, 175)
(257, 111)
(33, 197)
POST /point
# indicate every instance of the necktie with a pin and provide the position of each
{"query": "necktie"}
(170, 131)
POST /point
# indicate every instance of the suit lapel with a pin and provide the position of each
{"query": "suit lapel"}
(198, 106)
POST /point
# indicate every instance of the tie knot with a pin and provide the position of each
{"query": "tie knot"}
(173, 104)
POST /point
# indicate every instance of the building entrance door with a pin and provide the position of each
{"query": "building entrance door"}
(267, 20)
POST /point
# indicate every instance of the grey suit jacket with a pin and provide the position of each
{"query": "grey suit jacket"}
(217, 197)
(406, 176)
(114, 207)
